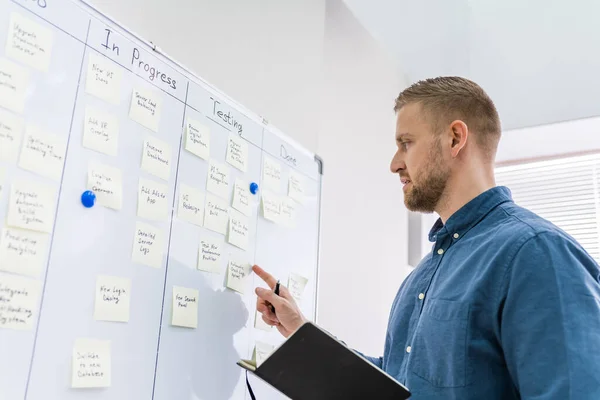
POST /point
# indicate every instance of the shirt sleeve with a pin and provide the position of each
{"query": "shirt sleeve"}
(377, 361)
(550, 320)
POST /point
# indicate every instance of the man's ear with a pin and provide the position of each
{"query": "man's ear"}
(459, 134)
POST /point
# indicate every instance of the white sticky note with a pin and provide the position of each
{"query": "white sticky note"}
(271, 207)
(185, 307)
(18, 301)
(241, 197)
(209, 255)
(101, 131)
(238, 232)
(106, 182)
(11, 131)
(191, 205)
(262, 351)
(103, 79)
(29, 42)
(148, 245)
(113, 296)
(14, 80)
(271, 175)
(296, 285)
(153, 200)
(259, 323)
(43, 153)
(216, 214)
(237, 153)
(237, 275)
(23, 252)
(217, 181)
(296, 186)
(91, 364)
(156, 158)
(288, 212)
(197, 139)
(145, 108)
(31, 206)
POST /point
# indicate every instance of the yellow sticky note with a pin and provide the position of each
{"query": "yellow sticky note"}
(271, 175)
(216, 214)
(296, 285)
(197, 139)
(237, 153)
(31, 206)
(146, 107)
(209, 254)
(153, 200)
(11, 132)
(106, 182)
(101, 131)
(238, 232)
(148, 245)
(43, 153)
(271, 206)
(113, 296)
(185, 307)
(91, 364)
(217, 181)
(156, 158)
(296, 186)
(23, 252)
(18, 301)
(259, 323)
(29, 42)
(241, 197)
(103, 79)
(237, 274)
(262, 351)
(191, 205)
(288, 212)
(14, 80)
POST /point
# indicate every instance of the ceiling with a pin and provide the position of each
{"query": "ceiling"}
(538, 60)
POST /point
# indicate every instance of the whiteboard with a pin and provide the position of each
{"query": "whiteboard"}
(48, 290)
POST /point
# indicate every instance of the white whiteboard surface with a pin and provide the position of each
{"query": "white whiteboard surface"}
(150, 358)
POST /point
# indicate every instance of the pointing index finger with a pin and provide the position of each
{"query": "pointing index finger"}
(265, 276)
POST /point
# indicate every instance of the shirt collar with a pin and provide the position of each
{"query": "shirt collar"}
(471, 213)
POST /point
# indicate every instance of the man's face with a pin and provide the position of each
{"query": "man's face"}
(419, 160)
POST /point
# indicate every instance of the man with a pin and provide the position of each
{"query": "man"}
(506, 306)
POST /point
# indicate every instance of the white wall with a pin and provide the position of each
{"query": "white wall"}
(313, 71)
(364, 224)
(545, 141)
(265, 54)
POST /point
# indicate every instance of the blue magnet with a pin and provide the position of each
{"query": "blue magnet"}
(253, 187)
(88, 198)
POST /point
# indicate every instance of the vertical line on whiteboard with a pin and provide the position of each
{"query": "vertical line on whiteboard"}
(260, 188)
(37, 325)
(162, 309)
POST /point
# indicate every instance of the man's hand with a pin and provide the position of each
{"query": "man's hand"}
(288, 316)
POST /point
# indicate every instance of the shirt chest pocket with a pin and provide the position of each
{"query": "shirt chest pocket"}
(439, 349)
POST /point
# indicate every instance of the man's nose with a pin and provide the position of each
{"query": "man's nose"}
(397, 163)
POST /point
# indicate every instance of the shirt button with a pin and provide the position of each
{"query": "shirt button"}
(456, 235)
(441, 251)
(408, 349)
(421, 296)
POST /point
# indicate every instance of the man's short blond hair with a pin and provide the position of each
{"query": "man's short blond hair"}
(448, 98)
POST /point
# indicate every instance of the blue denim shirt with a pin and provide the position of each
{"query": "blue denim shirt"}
(506, 306)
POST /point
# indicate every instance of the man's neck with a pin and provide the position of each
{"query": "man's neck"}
(462, 189)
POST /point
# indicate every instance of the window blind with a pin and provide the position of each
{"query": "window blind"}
(565, 191)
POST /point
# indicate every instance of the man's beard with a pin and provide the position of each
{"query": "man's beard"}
(425, 196)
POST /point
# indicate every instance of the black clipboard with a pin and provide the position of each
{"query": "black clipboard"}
(313, 365)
